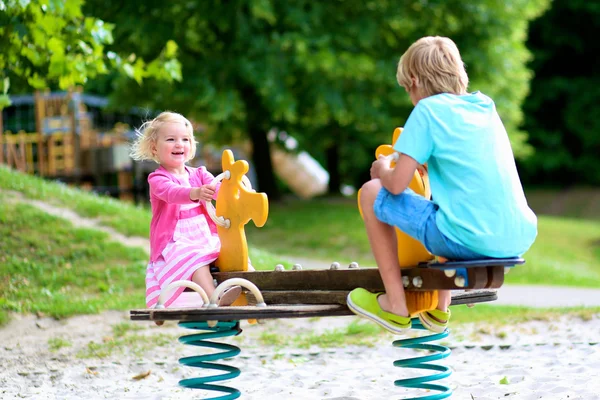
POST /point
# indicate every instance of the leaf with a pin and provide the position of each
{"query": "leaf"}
(36, 82)
(4, 101)
(171, 49)
(128, 68)
(142, 375)
(504, 381)
(56, 46)
(5, 85)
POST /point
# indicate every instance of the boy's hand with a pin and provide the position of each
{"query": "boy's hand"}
(422, 168)
(381, 164)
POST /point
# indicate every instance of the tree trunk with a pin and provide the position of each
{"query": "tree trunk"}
(261, 153)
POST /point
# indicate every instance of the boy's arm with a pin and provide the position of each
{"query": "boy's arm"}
(396, 179)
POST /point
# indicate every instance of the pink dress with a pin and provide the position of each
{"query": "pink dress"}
(193, 246)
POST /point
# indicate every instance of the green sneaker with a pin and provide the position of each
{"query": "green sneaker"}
(435, 320)
(364, 304)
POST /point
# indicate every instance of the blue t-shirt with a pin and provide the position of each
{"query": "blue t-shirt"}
(472, 173)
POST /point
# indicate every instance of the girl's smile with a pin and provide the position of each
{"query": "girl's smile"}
(172, 147)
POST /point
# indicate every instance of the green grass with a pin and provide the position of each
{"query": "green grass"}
(323, 229)
(51, 267)
(55, 344)
(124, 217)
(566, 252)
(48, 266)
(499, 320)
(514, 315)
(359, 332)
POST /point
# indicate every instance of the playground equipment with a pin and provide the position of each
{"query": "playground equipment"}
(65, 144)
(317, 293)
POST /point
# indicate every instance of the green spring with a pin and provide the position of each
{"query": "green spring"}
(221, 329)
(439, 352)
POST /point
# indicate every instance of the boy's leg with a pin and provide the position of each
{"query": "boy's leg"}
(444, 300)
(382, 238)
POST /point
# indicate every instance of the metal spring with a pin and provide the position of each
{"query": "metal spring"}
(439, 352)
(221, 329)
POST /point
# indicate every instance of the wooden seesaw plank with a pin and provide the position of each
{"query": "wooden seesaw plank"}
(486, 277)
(277, 311)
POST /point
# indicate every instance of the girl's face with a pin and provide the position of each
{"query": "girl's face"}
(173, 146)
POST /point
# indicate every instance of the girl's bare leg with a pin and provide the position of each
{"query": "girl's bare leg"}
(382, 238)
(203, 278)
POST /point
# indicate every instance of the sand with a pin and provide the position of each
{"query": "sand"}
(535, 360)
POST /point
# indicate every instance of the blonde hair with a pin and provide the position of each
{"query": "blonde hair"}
(435, 63)
(147, 135)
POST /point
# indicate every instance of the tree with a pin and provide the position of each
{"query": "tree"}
(51, 44)
(562, 113)
(322, 71)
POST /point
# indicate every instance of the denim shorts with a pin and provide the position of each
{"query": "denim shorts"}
(415, 215)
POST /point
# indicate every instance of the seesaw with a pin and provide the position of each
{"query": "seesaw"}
(313, 293)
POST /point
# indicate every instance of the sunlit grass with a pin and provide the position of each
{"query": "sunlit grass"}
(125, 218)
(566, 252)
(358, 332)
(50, 267)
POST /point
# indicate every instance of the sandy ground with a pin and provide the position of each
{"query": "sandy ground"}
(536, 360)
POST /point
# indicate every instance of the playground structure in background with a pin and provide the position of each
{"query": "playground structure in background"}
(72, 137)
(65, 144)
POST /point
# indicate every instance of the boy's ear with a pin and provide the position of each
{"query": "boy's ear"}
(415, 81)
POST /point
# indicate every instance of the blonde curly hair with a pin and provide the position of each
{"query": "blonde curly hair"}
(435, 63)
(147, 135)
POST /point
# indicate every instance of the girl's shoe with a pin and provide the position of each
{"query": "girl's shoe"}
(364, 304)
(435, 320)
(229, 296)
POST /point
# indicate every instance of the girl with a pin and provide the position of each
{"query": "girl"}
(183, 238)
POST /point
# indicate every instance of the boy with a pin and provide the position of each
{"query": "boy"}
(478, 208)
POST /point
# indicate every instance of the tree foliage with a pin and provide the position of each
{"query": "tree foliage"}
(323, 71)
(51, 44)
(562, 113)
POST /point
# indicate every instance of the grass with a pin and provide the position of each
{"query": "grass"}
(359, 332)
(366, 333)
(514, 315)
(566, 252)
(55, 344)
(51, 267)
(322, 228)
(125, 218)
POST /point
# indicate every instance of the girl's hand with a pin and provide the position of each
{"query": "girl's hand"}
(204, 193)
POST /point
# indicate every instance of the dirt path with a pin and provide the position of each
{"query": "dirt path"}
(77, 220)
